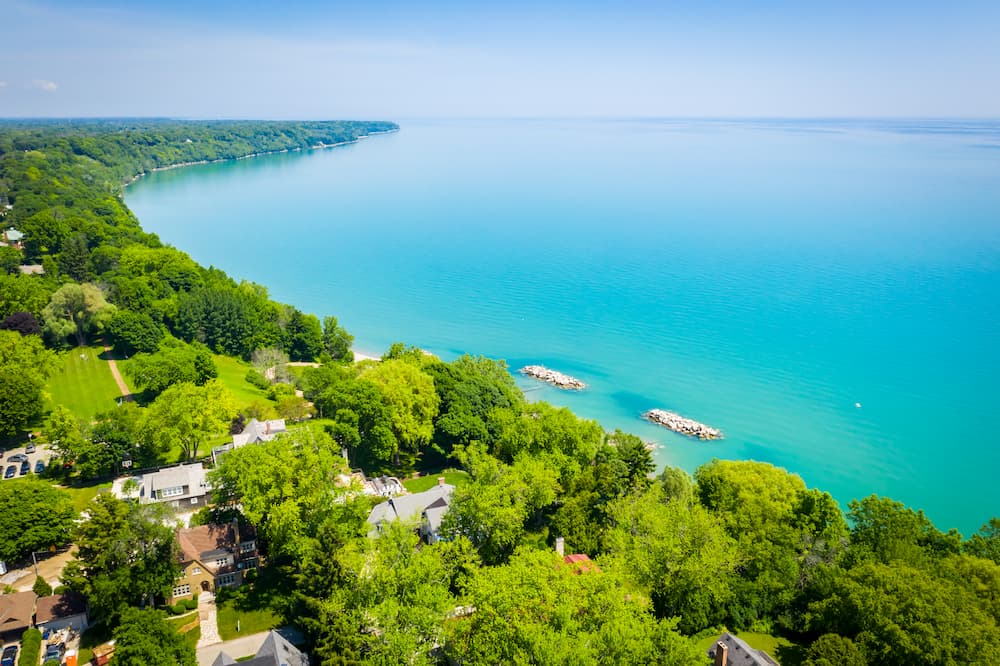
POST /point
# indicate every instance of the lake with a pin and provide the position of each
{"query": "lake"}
(827, 293)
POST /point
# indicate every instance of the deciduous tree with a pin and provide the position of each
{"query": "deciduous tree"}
(143, 638)
(76, 310)
(186, 415)
(34, 515)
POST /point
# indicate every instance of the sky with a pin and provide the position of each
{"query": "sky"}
(520, 58)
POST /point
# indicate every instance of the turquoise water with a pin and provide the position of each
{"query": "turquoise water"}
(761, 277)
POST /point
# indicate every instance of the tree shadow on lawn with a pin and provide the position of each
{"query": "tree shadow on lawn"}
(271, 590)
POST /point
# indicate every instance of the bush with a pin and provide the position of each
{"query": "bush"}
(256, 379)
(41, 587)
(190, 604)
(51, 662)
(31, 648)
(179, 608)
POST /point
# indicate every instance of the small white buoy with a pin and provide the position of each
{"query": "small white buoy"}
(858, 405)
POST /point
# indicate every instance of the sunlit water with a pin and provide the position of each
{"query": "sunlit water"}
(762, 277)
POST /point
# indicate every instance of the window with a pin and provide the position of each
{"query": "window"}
(182, 590)
(195, 571)
(246, 547)
(225, 579)
(172, 492)
(194, 500)
(222, 561)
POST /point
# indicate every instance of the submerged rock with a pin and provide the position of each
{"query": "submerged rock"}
(682, 425)
(557, 379)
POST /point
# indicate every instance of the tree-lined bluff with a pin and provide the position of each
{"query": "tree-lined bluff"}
(671, 557)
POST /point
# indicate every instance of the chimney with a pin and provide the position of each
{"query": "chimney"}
(440, 480)
(560, 546)
(267, 427)
(721, 654)
(236, 533)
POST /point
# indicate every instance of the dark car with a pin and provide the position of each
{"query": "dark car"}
(39, 467)
(54, 652)
(10, 472)
(9, 654)
(25, 467)
(17, 457)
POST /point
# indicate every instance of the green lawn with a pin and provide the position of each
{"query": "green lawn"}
(257, 607)
(84, 384)
(232, 373)
(83, 494)
(455, 477)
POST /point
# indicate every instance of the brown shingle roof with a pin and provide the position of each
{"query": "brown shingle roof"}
(16, 610)
(195, 541)
(58, 606)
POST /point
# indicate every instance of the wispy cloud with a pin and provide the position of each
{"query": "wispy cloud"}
(43, 84)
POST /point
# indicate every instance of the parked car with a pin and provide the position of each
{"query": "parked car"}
(10, 472)
(25, 467)
(17, 457)
(39, 467)
(30, 448)
(9, 654)
(54, 652)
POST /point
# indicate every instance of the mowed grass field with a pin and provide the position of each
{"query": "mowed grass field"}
(233, 373)
(84, 384)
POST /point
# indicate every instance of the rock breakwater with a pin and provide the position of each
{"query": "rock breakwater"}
(679, 424)
(557, 379)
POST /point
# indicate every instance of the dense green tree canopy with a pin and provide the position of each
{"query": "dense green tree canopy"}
(286, 487)
(539, 610)
(25, 364)
(126, 554)
(185, 415)
(143, 638)
(33, 516)
(174, 363)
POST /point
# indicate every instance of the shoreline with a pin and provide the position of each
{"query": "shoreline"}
(319, 146)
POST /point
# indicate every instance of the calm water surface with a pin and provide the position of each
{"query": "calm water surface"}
(762, 277)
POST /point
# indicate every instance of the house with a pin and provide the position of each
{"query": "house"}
(13, 238)
(31, 269)
(730, 650)
(276, 651)
(182, 487)
(580, 562)
(254, 432)
(60, 611)
(16, 612)
(214, 556)
(427, 507)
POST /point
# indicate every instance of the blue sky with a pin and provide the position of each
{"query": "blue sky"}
(399, 60)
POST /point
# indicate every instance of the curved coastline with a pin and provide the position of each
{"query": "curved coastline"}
(319, 146)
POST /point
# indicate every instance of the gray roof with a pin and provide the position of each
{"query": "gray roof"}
(740, 652)
(276, 651)
(256, 431)
(412, 507)
(223, 659)
(191, 475)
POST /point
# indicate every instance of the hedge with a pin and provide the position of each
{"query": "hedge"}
(31, 648)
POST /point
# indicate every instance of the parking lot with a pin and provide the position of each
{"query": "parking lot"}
(41, 453)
